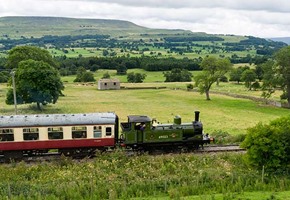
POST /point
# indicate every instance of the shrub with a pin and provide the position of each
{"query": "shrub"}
(269, 145)
(135, 77)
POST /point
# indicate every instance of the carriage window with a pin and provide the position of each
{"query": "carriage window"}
(6, 134)
(55, 133)
(30, 134)
(79, 132)
(97, 131)
(108, 131)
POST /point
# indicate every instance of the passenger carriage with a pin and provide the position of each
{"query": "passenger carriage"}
(70, 134)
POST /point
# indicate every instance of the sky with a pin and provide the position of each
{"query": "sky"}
(260, 18)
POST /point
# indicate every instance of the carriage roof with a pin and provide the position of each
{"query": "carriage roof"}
(57, 119)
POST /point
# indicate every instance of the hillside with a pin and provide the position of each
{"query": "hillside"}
(103, 37)
(17, 27)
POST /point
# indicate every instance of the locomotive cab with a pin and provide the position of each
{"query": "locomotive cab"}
(134, 129)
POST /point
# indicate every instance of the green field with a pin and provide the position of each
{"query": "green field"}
(232, 115)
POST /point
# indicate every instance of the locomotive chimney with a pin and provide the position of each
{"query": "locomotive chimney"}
(196, 116)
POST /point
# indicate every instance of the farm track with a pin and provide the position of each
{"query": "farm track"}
(50, 157)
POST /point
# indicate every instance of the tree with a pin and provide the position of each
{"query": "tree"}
(212, 70)
(36, 81)
(248, 76)
(84, 76)
(121, 69)
(277, 74)
(135, 77)
(177, 75)
(4, 76)
(236, 74)
(283, 71)
(106, 75)
(21, 53)
(268, 145)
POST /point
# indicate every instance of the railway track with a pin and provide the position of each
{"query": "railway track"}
(53, 156)
(222, 148)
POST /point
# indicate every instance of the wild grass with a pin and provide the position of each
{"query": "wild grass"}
(118, 176)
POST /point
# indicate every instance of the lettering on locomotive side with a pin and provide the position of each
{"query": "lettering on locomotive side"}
(163, 137)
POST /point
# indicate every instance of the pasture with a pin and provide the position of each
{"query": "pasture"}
(223, 113)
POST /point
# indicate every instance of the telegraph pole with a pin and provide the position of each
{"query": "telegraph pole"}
(14, 91)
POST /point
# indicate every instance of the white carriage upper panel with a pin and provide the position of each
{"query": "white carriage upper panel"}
(57, 119)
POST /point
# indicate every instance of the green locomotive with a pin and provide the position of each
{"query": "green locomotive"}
(142, 133)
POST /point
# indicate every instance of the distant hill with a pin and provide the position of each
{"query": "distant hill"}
(104, 37)
(281, 39)
(16, 27)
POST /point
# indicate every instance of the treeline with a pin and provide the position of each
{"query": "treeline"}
(69, 66)
(262, 46)
(193, 38)
(57, 41)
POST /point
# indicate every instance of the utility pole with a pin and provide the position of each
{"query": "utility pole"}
(14, 91)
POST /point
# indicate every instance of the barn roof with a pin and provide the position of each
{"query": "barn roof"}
(57, 119)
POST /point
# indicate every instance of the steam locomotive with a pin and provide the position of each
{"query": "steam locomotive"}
(84, 134)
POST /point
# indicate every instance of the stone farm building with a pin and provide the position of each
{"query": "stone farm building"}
(108, 84)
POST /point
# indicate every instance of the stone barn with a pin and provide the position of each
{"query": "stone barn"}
(108, 84)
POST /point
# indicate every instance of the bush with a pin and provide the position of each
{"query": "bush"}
(135, 77)
(84, 76)
(269, 145)
(178, 75)
(189, 86)
(106, 75)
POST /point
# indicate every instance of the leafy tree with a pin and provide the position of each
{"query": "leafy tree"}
(283, 71)
(269, 144)
(36, 81)
(259, 72)
(121, 69)
(177, 75)
(278, 74)
(135, 77)
(248, 76)
(84, 76)
(21, 53)
(236, 74)
(94, 67)
(4, 76)
(212, 70)
(106, 75)
(256, 85)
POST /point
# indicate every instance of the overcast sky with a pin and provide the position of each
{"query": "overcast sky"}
(261, 18)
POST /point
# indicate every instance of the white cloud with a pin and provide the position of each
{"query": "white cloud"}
(263, 18)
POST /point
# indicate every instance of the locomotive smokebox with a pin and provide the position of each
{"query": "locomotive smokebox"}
(196, 116)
